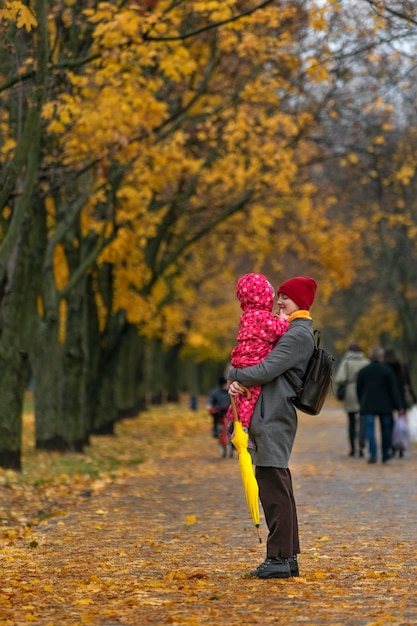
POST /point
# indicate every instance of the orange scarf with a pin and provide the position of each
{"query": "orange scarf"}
(304, 315)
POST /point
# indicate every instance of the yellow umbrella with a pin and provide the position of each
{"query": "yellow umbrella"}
(250, 484)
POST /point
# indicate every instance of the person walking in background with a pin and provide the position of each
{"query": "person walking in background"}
(259, 330)
(274, 425)
(218, 402)
(402, 376)
(378, 395)
(352, 362)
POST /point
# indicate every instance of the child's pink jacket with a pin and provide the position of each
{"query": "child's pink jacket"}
(259, 330)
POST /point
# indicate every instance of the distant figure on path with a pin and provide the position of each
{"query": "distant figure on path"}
(402, 376)
(352, 362)
(380, 396)
(218, 402)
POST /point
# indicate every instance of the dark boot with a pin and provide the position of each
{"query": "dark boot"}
(273, 567)
(294, 566)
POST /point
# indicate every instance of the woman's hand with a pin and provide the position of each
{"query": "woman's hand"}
(236, 388)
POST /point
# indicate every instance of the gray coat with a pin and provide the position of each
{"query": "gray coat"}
(274, 422)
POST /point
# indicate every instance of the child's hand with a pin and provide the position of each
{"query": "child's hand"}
(282, 316)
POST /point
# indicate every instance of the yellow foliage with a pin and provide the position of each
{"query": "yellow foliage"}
(186, 155)
(63, 308)
(376, 321)
(16, 11)
(7, 148)
(61, 272)
(379, 140)
(316, 71)
(405, 174)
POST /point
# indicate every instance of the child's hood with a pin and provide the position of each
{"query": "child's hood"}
(254, 291)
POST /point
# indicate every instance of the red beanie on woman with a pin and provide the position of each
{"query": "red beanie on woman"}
(301, 290)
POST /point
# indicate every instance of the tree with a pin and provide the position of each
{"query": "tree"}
(368, 136)
(152, 170)
(19, 175)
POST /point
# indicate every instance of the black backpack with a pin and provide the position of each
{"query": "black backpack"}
(312, 391)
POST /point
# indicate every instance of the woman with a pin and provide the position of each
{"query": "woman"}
(274, 425)
(408, 397)
(352, 362)
(402, 376)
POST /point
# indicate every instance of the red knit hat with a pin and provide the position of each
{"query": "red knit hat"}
(301, 290)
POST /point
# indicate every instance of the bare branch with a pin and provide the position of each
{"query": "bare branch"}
(376, 7)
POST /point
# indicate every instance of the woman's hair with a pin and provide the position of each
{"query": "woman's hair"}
(391, 356)
(355, 347)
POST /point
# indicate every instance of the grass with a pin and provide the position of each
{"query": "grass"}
(51, 483)
(107, 456)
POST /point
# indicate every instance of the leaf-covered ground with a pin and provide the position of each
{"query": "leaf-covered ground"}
(151, 527)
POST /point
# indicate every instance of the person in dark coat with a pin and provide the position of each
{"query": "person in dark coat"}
(378, 395)
(274, 425)
(218, 402)
(403, 378)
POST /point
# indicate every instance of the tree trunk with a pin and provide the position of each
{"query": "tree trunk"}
(172, 367)
(92, 363)
(155, 373)
(50, 430)
(74, 390)
(17, 316)
(61, 382)
(76, 349)
(130, 391)
(106, 410)
(15, 311)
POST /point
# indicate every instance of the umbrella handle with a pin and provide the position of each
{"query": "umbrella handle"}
(233, 403)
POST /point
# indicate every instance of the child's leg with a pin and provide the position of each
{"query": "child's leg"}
(245, 406)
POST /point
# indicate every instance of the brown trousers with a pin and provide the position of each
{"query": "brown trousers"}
(277, 499)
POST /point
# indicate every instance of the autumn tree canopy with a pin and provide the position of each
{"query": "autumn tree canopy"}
(151, 152)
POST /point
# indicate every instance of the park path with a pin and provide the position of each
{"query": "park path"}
(173, 543)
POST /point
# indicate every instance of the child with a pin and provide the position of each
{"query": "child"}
(259, 330)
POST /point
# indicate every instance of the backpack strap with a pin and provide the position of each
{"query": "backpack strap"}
(295, 381)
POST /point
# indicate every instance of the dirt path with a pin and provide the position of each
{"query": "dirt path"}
(173, 543)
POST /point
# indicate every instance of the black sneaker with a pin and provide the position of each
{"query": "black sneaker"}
(273, 568)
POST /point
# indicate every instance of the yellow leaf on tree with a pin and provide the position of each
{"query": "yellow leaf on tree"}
(17, 11)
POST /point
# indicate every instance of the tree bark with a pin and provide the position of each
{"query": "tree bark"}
(130, 392)
(15, 311)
